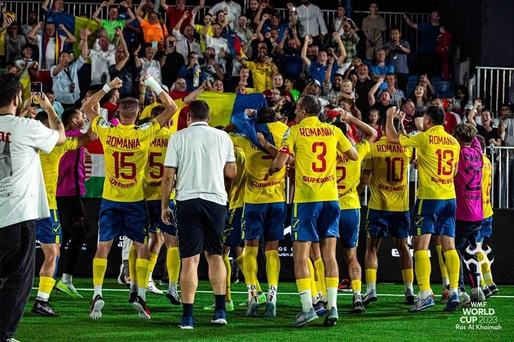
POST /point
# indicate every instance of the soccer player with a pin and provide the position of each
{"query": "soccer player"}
(123, 210)
(468, 187)
(385, 170)
(159, 232)
(486, 231)
(348, 179)
(315, 217)
(434, 211)
(48, 231)
(264, 213)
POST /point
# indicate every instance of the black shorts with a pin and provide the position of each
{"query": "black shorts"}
(200, 226)
(466, 233)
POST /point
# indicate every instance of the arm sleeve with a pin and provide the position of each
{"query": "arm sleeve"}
(171, 158)
(321, 22)
(41, 137)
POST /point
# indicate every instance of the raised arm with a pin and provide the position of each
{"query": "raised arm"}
(391, 133)
(308, 40)
(270, 148)
(96, 15)
(164, 7)
(121, 64)
(373, 91)
(168, 103)
(369, 132)
(33, 33)
(91, 106)
(181, 20)
(195, 93)
(69, 36)
(410, 22)
(46, 4)
(139, 11)
(129, 11)
(137, 60)
(473, 111)
(83, 46)
(342, 50)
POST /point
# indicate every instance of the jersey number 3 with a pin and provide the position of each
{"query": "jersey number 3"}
(320, 150)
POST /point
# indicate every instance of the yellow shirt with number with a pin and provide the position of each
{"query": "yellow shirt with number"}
(259, 186)
(315, 145)
(389, 166)
(438, 157)
(154, 169)
(236, 194)
(487, 171)
(348, 177)
(126, 153)
(50, 165)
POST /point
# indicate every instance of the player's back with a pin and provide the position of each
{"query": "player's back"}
(236, 193)
(154, 169)
(389, 165)
(468, 183)
(348, 176)
(487, 181)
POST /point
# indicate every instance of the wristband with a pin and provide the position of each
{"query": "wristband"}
(154, 85)
(106, 88)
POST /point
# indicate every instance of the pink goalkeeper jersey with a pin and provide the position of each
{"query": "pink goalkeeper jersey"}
(468, 183)
(72, 172)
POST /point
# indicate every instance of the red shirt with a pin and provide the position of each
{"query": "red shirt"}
(174, 16)
(111, 110)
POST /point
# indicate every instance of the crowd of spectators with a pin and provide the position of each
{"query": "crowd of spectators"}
(362, 66)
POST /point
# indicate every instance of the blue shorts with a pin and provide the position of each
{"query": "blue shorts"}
(315, 220)
(349, 223)
(486, 231)
(48, 230)
(264, 220)
(154, 217)
(122, 218)
(381, 223)
(434, 217)
(233, 233)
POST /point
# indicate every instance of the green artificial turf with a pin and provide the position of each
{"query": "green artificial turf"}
(384, 320)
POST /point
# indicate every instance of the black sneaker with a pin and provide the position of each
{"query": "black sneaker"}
(140, 306)
(132, 297)
(493, 289)
(43, 308)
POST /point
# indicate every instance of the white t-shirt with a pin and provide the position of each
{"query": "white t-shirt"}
(100, 63)
(199, 153)
(22, 187)
(151, 68)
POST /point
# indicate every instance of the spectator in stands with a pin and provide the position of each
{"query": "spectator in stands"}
(218, 43)
(26, 58)
(57, 15)
(177, 12)
(253, 12)
(148, 64)
(461, 99)
(186, 42)
(232, 10)
(409, 121)
(396, 94)
(171, 61)
(153, 29)
(243, 31)
(211, 69)
(333, 90)
(384, 99)
(59, 109)
(362, 84)
(64, 75)
(373, 26)
(114, 22)
(31, 23)
(506, 126)
(318, 68)
(243, 79)
(289, 58)
(103, 57)
(14, 43)
(111, 102)
(341, 19)
(50, 43)
(444, 42)
(486, 130)
(262, 70)
(276, 23)
(426, 59)
(126, 72)
(380, 69)
(397, 51)
(424, 82)
(350, 40)
(374, 120)
(311, 20)
(420, 100)
(192, 72)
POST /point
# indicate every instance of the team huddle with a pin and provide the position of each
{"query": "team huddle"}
(330, 165)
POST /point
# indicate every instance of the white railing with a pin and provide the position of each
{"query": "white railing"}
(492, 85)
(502, 192)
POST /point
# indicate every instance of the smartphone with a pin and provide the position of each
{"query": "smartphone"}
(36, 90)
(154, 45)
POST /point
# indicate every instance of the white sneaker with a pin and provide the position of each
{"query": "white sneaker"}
(153, 289)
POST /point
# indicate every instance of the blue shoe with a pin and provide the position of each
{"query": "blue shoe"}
(186, 323)
(453, 302)
(422, 304)
(305, 317)
(331, 318)
(319, 308)
(219, 318)
(253, 304)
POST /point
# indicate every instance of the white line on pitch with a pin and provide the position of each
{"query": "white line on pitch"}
(281, 293)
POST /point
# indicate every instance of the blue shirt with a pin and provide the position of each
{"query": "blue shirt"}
(318, 71)
(428, 34)
(290, 65)
(381, 70)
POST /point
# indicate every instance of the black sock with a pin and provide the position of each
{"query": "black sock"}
(220, 302)
(187, 309)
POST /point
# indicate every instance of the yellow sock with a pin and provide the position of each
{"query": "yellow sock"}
(442, 265)
(320, 273)
(99, 267)
(173, 264)
(152, 261)
(485, 267)
(453, 267)
(357, 285)
(314, 283)
(371, 278)
(142, 273)
(228, 266)
(132, 264)
(422, 268)
(250, 265)
(46, 285)
(304, 289)
(272, 267)
(240, 262)
(303, 284)
(408, 276)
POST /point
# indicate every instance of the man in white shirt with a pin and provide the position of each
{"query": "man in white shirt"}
(200, 157)
(311, 18)
(231, 8)
(102, 57)
(22, 197)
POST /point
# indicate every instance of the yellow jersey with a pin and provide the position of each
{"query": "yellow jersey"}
(126, 153)
(438, 157)
(487, 171)
(389, 165)
(348, 177)
(315, 145)
(259, 186)
(236, 194)
(50, 165)
(154, 169)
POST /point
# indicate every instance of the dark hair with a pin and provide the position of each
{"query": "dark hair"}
(42, 116)
(68, 115)
(310, 104)
(265, 115)
(397, 28)
(10, 88)
(465, 132)
(199, 110)
(481, 140)
(157, 110)
(341, 125)
(436, 114)
(129, 107)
